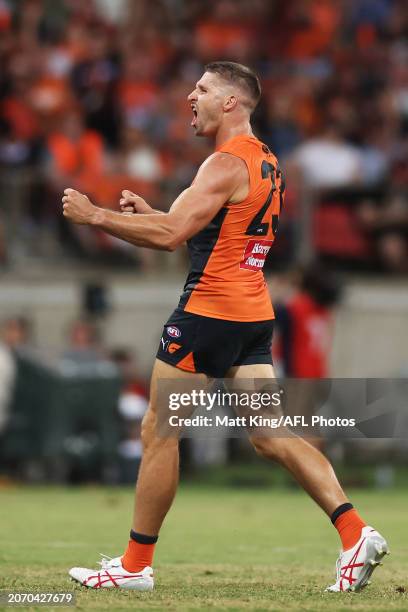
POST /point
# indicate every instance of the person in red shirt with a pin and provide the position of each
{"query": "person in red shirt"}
(304, 323)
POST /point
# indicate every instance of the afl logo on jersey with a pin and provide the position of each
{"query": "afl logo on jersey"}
(174, 332)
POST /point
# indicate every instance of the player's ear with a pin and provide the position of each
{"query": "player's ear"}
(230, 103)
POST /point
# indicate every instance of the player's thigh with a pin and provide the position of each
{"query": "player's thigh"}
(252, 372)
(258, 378)
(166, 377)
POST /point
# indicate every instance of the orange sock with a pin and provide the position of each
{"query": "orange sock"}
(349, 525)
(138, 556)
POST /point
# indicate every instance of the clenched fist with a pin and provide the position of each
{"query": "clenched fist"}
(77, 207)
(132, 203)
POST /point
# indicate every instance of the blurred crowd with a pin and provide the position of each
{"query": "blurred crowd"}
(93, 96)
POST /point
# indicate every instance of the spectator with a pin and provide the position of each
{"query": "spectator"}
(132, 407)
(7, 373)
(17, 335)
(304, 321)
(15, 341)
(141, 161)
(76, 154)
(387, 224)
(133, 402)
(93, 81)
(328, 161)
(76, 159)
(304, 318)
(84, 344)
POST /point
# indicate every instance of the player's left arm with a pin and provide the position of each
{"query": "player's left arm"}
(222, 178)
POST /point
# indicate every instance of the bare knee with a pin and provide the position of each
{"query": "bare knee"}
(150, 435)
(270, 447)
(147, 432)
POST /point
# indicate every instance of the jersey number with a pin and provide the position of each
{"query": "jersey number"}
(256, 227)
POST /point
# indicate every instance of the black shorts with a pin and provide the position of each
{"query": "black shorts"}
(210, 346)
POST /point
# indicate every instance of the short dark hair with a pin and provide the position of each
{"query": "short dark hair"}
(240, 75)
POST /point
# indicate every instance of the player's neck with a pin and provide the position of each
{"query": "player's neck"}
(226, 132)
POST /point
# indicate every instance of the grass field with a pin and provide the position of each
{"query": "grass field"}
(221, 549)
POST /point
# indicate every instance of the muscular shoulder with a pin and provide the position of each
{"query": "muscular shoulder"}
(224, 172)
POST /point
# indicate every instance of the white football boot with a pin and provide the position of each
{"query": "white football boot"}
(113, 575)
(355, 566)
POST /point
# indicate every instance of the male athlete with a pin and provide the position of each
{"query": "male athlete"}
(223, 324)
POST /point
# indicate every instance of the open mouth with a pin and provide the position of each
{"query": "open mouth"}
(195, 113)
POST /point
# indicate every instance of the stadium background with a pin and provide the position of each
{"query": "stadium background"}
(93, 96)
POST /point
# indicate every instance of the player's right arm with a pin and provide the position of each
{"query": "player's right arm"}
(222, 178)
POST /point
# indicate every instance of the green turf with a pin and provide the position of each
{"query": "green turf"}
(221, 549)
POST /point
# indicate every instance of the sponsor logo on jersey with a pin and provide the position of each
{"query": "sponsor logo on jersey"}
(255, 254)
(173, 331)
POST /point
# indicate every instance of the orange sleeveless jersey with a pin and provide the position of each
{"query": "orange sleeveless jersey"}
(226, 280)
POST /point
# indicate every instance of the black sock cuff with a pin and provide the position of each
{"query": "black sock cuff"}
(143, 539)
(340, 510)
